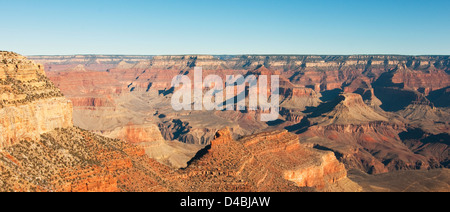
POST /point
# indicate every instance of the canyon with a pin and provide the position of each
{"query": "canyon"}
(346, 123)
(361, 106)
(43, 151)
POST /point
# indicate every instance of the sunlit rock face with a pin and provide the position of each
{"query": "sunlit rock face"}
(29, 103)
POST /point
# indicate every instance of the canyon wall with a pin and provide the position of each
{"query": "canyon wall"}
(331, 132)
(359, 106)
(368, 139)
(264, 162)
(319, 72)
(44, 152)
(29, 103)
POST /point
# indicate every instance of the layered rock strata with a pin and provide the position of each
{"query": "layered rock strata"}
(51, 155)
(29, 103)
(264, 162)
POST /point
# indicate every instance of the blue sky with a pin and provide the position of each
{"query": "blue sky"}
(155, 27)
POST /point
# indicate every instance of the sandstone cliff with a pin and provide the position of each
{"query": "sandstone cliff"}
(385, 81)
(29, 103)
(359, 106)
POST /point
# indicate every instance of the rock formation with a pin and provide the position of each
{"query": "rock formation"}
(264, 162)
(435, 180)
(377, 113)
(41, 151)
(29, 103)
(363, 138)
(380, 80)
(318, 72)
(60, 157)
(74, 160)
(148, 136)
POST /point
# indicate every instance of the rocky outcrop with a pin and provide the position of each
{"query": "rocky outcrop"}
(88, 90)
(76, 83)
(347, 108)
(181, 131)
(271, 161)
(89, 62)
(356, 105)
(435, 180)
(424, 81)
(440, 97)
(363, 138)
(372, 147)
(29, 103)
(148, 136)
(319, 72)
(73, 160)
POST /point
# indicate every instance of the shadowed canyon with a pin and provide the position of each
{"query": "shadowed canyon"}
(105, 123)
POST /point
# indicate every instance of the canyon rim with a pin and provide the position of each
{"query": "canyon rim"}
(248, 99)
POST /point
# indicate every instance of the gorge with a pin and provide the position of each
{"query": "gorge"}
(345, 123)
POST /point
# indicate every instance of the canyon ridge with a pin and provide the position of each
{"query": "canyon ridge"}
(105, 123)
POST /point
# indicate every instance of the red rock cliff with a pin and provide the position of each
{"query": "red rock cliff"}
(29, 103)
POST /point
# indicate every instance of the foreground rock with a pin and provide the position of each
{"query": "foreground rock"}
(271, 161)
(366, 139)
(436, 180)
